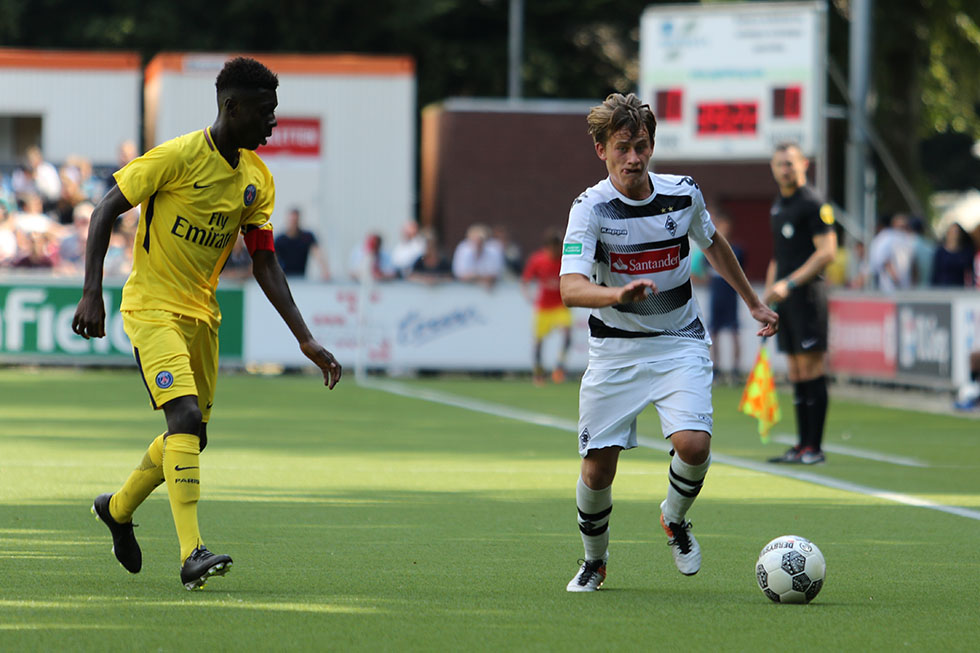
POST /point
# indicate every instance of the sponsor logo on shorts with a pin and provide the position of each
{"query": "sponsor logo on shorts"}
(573, 249)
(611, 231)
(657, 260)
(164, 380)
(584, 437)
(250, 193)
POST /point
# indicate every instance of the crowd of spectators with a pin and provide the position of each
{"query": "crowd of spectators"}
(45, 212)
(483, 257)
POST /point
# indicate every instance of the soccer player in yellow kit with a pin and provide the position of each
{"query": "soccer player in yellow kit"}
(196, 192)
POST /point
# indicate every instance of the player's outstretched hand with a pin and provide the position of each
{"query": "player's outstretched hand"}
(89, 320)
(768, 318)
(636, 291)
(324, 360)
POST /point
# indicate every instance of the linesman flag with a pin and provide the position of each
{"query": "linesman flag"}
(759, 398)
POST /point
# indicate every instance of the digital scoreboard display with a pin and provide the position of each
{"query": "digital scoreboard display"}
(727, 118)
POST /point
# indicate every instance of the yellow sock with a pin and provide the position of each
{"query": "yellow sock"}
(144, 479)
(181, 467)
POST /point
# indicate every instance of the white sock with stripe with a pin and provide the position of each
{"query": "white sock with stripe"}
(685, 483)
(594, 507)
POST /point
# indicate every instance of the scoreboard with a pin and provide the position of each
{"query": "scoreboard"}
(729, 81)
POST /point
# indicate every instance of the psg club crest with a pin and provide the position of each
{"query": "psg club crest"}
(164, 380)
(249, 194)
(670, 226)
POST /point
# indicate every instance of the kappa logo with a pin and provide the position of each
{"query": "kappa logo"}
(670, 225)
(584, 438)
(657, 260)
(613, 231)
(164, 380)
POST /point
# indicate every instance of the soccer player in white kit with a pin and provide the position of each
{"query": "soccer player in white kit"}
(626, 255)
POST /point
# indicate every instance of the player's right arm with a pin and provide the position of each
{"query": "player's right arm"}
(89, 320)
(578, 254)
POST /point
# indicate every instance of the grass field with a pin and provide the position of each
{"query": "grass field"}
(361, 519)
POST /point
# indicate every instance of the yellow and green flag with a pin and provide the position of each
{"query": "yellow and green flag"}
(759, 398)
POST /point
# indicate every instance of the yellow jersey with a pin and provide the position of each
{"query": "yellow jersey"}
(193, 205)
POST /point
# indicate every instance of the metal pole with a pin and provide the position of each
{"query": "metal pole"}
(859, 205)
(515, 47)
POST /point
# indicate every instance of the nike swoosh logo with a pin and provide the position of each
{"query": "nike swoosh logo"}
(806, 344)
(209, 405)
(178, 468)
(199, 185)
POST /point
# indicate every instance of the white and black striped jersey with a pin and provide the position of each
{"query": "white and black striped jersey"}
(614, 240)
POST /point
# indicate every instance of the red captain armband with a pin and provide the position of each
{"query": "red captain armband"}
(256, 239)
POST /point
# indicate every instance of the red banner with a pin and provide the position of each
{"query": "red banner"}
(294, 137)
(863, 337)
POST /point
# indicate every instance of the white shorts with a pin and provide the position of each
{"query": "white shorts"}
(610, 401)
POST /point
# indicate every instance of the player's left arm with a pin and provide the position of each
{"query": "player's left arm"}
(268, 274)
(724, 261)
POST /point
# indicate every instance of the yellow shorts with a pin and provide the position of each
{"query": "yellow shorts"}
(177, 356)
(547, 320)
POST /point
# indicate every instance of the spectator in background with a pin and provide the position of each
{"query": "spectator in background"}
(724, 306)
(8, 236)
(477, 258)
(952, 263)
(119, 256)
(47, 181)
(71, 251)
(511, 251)
(39, 253)
(892, 253)
(127, 152)
(408, 249)
(550, 312)
(923, 251)
(432, 266)
(858, 270)
(71, 194)
(371, 260)
(294, 246)
(31, 217)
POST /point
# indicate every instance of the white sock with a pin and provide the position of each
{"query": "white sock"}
(594, 507)
(685, 483)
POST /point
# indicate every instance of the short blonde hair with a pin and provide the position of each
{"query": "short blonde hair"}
(618, 112)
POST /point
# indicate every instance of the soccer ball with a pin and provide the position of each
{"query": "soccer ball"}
(790, 569)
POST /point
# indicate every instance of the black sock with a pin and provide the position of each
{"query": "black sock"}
(802, 419)
(816, 411)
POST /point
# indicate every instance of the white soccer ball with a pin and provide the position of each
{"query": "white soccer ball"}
(791, 569)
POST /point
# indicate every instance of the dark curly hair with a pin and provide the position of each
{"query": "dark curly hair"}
(246, 73)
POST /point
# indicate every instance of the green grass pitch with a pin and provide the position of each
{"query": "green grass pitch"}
(365, 520)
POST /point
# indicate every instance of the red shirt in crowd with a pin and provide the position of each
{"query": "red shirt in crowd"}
(545, 270)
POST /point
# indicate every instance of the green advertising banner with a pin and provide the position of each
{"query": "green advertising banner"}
(36, 316)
